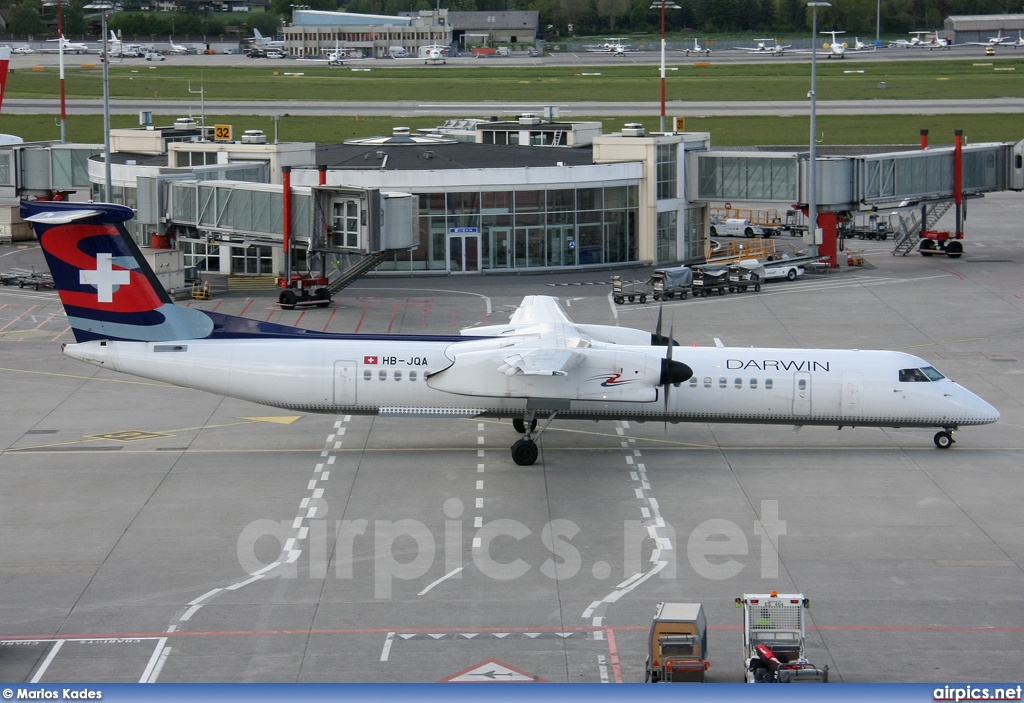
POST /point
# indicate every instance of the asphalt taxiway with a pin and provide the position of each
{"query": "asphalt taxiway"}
(154, 533)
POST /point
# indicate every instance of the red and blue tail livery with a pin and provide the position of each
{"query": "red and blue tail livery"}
(107, 289)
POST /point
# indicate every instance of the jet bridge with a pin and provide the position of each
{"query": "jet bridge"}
(894, 180)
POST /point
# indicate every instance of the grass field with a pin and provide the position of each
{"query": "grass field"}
(725, 131)
(939, 79)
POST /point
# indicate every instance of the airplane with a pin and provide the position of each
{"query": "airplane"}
(767, 46)
(433, 54)
(1019, 41)
(997, 40)
(266, 42)
(337, 57)
(541, 365)
(697, 49)
(858, 45)
(70, 47)
(917, 42)
(176, 48)
(615, 47)
(833, 49)
(23, 49)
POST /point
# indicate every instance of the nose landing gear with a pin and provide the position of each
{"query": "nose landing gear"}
(944, 439)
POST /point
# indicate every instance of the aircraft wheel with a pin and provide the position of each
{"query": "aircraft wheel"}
(524, 452)
(944, 440)
(519, 425)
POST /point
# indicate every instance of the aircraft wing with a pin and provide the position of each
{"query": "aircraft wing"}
(539, 309)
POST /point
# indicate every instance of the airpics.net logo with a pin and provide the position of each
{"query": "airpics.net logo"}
(385, 551)
(978, 693)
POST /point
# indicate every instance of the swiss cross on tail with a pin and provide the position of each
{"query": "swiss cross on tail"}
(104, 278)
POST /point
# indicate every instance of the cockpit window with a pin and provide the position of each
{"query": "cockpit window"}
(920, 375)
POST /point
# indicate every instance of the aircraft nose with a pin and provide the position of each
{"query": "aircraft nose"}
(980, 409)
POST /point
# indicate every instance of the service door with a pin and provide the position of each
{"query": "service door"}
(852, 407)
(802, 394)
(345, 382)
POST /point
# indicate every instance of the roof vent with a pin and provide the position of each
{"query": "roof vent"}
(380, 154)
(633, 129)
(185, 123)
(529, 118)
(428, 154)
(400, 131)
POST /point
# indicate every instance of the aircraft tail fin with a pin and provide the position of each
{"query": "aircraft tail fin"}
(108, 289)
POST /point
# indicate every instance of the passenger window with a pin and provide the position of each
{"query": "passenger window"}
(707, 382)
(693, 381)
(367, 374)
(412, 375)
(768, 384)
(753, 383)
(383, 375)
(802, 384)
(398, 375)
(723, 382)
(739, 383)
(913, 376)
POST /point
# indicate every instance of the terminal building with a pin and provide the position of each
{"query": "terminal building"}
(484, 196)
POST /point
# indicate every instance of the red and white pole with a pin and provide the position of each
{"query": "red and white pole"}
(958, 182)
(286, 225)
(60, 52)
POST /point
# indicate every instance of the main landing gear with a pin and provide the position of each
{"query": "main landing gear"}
(524, 451)
(944, 439)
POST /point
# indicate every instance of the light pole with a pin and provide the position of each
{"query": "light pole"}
(812, 188)
(663, 5)
(490, 29)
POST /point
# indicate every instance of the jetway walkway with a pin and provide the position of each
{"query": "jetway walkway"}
(901, 181)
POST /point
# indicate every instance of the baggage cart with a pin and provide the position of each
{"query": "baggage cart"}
(628, 290)
(708, 279)
(746, 274)
(667, 283)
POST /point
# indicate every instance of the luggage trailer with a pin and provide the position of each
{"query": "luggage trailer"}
(774, 639)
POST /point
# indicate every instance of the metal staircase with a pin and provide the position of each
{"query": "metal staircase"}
(349, 275)
(908, 234)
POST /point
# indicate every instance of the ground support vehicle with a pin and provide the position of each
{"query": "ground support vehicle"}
(746, 274)
(773, 639)
(678, 644)
(628, 290)
(670, 282)
(707, 279)
(26, 279)
(305, 291)
(788, 268)
(737, 226)
(936, 242)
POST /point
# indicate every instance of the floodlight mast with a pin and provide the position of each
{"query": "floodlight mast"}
(663, 5)
(812, 188)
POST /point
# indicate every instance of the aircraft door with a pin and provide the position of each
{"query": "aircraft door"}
(852, 407)
(802, 393)
(345, 375)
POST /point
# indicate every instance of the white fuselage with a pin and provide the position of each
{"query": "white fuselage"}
(392, 377)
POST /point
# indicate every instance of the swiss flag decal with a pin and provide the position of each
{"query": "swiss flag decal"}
(369, 360)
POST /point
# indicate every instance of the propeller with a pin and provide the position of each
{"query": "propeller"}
(672, 372)
(656, 339)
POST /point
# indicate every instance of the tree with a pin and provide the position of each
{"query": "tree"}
(612, 10)
(266, 22)
(25, 18)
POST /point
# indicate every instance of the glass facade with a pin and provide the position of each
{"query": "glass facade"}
(522, 229)
(667, 171)
(667, 233)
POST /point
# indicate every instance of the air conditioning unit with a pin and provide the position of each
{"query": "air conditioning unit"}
(529, 119)
(633, 129)
(254, 136)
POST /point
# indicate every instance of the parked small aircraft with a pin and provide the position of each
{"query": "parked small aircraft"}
(698, 49)
(541, 364)
(766, 46)
(266, 42)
